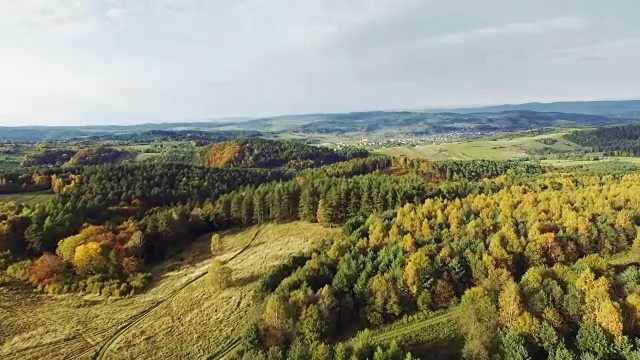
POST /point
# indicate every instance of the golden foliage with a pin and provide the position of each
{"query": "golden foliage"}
(87, 256)
(224, 153)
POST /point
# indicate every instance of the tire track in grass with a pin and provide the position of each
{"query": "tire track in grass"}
(231, 346)
(234, 344)
(136, 319)
(387, 335)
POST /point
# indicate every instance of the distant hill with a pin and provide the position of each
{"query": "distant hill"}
(424, 123)
(388, 123)
(625, 108)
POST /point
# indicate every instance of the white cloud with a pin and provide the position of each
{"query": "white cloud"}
(520, 28)
(121, 60)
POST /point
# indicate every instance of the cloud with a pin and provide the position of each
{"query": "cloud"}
(520, 29)
(616, 49)
(117, 60)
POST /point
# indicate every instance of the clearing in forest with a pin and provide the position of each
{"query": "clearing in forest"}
(182, 315)
(29, 198)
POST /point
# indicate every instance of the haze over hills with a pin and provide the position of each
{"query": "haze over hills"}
(622, 108)
(491, 118)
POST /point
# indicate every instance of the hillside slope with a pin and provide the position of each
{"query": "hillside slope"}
(74, 327)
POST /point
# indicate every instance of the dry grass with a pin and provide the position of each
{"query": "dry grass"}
(194, 323)
(29, 198)
(500, 149)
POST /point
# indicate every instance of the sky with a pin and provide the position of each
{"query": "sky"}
(72, 62)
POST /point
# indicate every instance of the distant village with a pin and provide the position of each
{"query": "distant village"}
(415, 141)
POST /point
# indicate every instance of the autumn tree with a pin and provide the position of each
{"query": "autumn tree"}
(43, 270)
(417, 271)
(220, 275)
(509, 304)
(217, 245)
(87, 258)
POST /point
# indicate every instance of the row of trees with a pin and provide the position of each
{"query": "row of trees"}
(55, 157)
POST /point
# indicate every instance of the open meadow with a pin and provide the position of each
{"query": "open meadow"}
(498, 149)
(170, 320)
(29, 198)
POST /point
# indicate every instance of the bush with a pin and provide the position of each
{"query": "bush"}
(5, 259)
(19, 270)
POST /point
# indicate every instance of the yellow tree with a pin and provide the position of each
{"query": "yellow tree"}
(277, 321)
(416, 271)
(321, 214)
(221, 276)
(528, 325)
(377, 233)
(598, 305)
(67, 247)
(408, 244)
(87, 257)
(509, 304)
(217, 245)
(609, 317)
(633, 304)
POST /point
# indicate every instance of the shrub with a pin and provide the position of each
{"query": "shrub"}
(19, 270)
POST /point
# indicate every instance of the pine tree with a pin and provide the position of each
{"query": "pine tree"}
(309, 204)
(323, 215)
(260, 210)
(246, 213)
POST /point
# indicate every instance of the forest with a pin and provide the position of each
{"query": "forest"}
(621, 140)
(524, 260)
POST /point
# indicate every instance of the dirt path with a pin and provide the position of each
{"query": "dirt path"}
(132, 322)
(386, 335)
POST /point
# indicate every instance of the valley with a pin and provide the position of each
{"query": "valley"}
(291, 239)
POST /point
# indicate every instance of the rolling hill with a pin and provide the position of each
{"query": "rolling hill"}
(502, 118)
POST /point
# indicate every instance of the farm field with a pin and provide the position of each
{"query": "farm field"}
(144, 326)
(612, 159)
(499, 149)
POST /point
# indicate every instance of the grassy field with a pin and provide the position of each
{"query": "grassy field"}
(9, 164)
(146, 156)
(499, 149)
(29, 198)
(181, 316)
(561, 162)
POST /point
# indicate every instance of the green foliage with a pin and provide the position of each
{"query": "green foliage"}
(274, 153)
(593, 340)
(622, 140)
(512, 346)
(251, 337)
(97, 155)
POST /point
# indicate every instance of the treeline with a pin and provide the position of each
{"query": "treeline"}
(49, 157)
(622, 140)
(200, 138)
(97, 156)
(165, 206)
(274, 153)
(171, 204)
(32, 179)
(161, 184)
(128, 215)
(528, 264)
(469, 169)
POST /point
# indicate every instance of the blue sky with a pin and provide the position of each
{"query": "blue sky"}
(130, 61)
